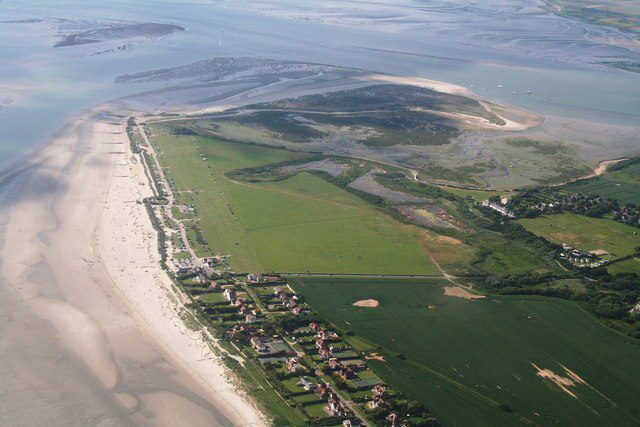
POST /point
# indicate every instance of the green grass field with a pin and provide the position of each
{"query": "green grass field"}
(621, 184)
(586, 233)
(299, 224)
(464, 358)
(631, 265)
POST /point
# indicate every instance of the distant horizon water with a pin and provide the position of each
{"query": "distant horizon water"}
(41, 87)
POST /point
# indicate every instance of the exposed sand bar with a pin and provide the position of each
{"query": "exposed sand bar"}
(89, 326)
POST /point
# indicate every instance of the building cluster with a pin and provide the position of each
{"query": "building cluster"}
(322, 337)
(249, 311)
(499, 206)
(576, 203)
(203, 268)
(629, 214)
(580, 258)
(305, 360)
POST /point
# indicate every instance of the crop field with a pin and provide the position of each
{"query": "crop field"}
(480, 359)
(621, 184)
(299, 224)
(586, 233)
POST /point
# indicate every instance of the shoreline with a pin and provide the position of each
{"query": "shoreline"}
(80, 257)
(599, 170)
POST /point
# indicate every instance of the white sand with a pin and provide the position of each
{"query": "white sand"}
(129, 251)
(80, 261)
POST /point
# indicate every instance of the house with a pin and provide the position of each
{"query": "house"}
(393, 419)
(229, 294)
(321, 391)
(333, 363)
(379, 390)
(293, 365)
(305, 383)
(250, 318)
(375, 403)
(215, 286)
(277, 290)
(258, 345)
(241, 329)
(346, 372)
(298, 311)
(314, 326)
(336, 406)
(256, 278)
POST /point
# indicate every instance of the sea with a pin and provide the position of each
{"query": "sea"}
(517, 52)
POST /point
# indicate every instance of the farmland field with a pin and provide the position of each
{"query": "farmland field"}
(466, 358)
(299, 224)
(586, 233)
(622, 184)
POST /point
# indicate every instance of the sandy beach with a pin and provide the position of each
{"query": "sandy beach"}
(91, 326)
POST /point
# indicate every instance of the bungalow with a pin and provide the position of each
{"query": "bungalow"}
(258, 345)
(314, 326)
(298, 311)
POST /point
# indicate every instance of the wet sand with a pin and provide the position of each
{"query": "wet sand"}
(89, 327)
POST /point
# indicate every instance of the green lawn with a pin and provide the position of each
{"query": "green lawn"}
(586, 233)
(299, 224)
(621, 184)
(477, 195)
(463, 358)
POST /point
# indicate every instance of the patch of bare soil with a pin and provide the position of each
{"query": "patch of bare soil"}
(448, 239)
(458, 292)
(371, 303)
(429, 215)
(598, 252)
(375, 356)
(563, 382)
(325, 165)
(368, 184)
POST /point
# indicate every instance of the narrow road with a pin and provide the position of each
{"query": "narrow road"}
(169, 195)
